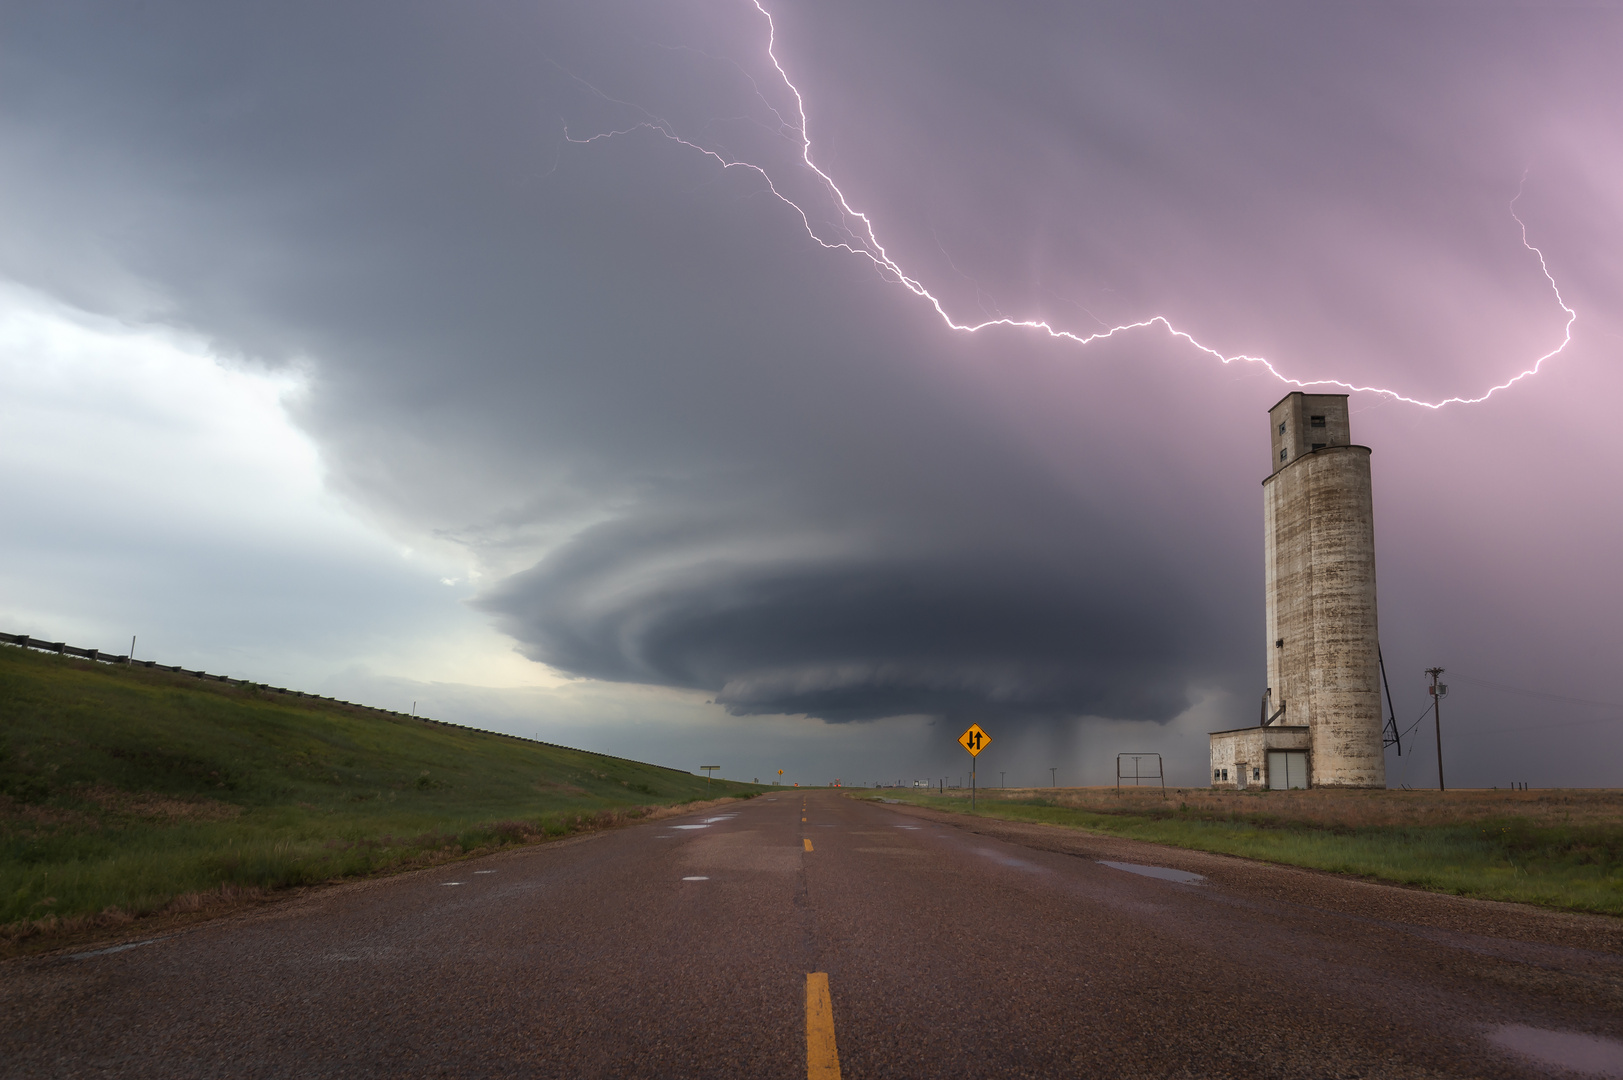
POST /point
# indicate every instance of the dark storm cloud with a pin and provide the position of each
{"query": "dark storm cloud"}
(699, 450)
(772, 627)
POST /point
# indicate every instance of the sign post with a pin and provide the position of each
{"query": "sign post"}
(974, 740)
(780, 776)
(708, 769)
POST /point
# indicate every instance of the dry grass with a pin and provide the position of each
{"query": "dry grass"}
(1556, 848)
(1326, 808)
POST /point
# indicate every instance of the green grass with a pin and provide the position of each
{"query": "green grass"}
(1533, 857)
(127, 793)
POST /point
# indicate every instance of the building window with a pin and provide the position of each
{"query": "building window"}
(1282, 427)
(1282, 454)
(1315, 421)
(1279, 643)
(1318, 446)
(1256, 774)
(1225, 774)
(1217, 774)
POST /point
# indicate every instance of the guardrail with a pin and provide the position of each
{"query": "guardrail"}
(63, 649)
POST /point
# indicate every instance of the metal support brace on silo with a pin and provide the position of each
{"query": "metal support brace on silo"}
(1267, 698)
(1389, 735)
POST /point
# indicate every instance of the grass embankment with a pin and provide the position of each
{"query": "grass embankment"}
(127, 793)
(1557, 848)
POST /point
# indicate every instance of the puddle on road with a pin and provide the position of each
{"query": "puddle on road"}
(113, 949)
(1007, 860)
(1590, 1055)
(690, 826)
(695, 879)
(1164, 873)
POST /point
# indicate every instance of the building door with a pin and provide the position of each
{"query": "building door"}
(1242, 771)
(1287, 769)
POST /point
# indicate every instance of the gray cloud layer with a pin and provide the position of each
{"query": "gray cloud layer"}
(701, 451)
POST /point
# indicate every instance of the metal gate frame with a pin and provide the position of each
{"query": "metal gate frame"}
(1138, 775)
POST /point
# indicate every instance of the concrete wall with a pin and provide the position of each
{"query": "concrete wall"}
(1248, 748)
(1302, 423)
(1319, 572)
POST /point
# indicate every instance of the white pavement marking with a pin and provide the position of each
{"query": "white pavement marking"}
(695, 879)
(450, 883)
(484, 871)
(1182, 877)
(690, 826)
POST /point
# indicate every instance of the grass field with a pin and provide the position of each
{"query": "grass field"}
(1558, 848)
(128, 793)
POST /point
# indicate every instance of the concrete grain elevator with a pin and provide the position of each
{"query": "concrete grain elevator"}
(1321, 722)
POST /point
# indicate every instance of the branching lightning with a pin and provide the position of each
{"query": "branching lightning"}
(863, 241)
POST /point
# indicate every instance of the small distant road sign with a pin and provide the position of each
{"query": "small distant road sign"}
(708, 770)
(974, 740)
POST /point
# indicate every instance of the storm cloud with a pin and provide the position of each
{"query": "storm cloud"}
(688, 445)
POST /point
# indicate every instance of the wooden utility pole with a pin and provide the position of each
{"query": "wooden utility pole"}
(1437, 692)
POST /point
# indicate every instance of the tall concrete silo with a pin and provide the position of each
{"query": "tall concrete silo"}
(1321, 714)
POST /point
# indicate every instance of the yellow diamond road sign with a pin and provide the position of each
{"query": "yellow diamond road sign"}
(974, 740)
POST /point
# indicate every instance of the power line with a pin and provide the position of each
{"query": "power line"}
(1538, 693)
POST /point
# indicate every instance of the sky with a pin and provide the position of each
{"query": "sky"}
(598, 371)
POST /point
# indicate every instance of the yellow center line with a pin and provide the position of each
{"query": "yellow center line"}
(822, 1060)
(807, 842)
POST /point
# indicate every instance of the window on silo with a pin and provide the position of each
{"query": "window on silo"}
(1282, 427)
(1217, 774)
(1279, 643)
(1315, 421)
(1282, 453)
(1318, 446)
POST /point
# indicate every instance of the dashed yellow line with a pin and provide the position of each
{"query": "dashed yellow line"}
(822, 1060)
(807, 842)
(802, 819)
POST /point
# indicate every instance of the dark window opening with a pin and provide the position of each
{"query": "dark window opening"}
(1282, 454)
(1315, 421)
(1280, 644)
(1282, 427)
(1319, 446)
(1256, 774)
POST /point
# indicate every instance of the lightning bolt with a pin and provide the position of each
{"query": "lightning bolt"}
(863, 241)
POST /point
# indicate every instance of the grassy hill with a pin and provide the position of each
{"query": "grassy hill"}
(129, 793)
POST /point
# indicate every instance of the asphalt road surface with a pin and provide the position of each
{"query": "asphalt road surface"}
(816, 935)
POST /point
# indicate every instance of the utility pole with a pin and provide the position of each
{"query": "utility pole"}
(1437, 691)
(1000, 777)
(1053, 776)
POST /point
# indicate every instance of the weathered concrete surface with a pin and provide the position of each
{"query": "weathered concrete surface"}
(1323, 639)
(1247, 749)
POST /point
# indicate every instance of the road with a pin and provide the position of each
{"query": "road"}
(818, 935)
